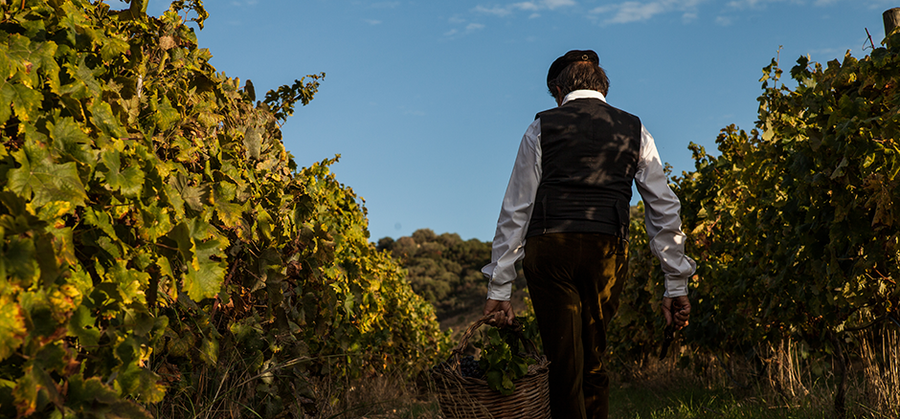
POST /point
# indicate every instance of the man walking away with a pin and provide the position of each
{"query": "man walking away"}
(566, 212)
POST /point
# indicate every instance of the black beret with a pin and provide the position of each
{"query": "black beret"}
(570, 57)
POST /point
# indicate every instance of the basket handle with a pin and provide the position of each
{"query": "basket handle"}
(516, 328)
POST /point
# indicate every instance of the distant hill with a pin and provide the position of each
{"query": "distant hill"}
(446, 271)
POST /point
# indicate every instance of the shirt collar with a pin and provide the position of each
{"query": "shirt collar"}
(583, 94)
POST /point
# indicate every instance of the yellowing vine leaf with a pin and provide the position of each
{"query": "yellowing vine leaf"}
(12, 324)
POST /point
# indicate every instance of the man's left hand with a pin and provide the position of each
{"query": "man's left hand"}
(677, 310)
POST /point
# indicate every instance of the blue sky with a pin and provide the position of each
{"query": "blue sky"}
(426, 101)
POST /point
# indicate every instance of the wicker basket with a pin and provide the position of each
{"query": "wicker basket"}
(470, 398)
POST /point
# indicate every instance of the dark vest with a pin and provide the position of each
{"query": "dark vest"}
(589, 155)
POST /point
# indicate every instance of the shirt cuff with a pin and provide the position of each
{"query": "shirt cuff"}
(499, 292)
(676, 287)
(496, 291)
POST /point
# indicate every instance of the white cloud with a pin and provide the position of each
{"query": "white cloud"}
(529, 6)
(761, 4)
(525, 6)
(743, 4)
(635, 11)
(372, 21)
(385, 5)
(469, 29)
(553, 4)
(629, 11)
(751, 4)
(495, 10)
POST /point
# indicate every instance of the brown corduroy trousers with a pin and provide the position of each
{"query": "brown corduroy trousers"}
(575, 280)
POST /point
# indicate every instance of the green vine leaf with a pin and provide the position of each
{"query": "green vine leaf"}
(24, 101)
(44, 180)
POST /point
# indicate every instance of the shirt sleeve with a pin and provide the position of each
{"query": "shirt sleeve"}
(515, 212)
(662, 211)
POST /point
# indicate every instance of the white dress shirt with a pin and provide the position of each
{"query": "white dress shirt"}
(661, 207)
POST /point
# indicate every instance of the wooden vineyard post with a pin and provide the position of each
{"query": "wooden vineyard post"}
(891, 20)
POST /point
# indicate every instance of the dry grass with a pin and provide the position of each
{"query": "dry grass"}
(374, 397)
(788, 380)
(880, 359)
(780, 380)
(380, 397)
(873, 386)
(230, 391)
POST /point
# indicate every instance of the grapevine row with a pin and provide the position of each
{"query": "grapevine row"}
(156, 237)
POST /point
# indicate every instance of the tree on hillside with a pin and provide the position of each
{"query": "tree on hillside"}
(444, 269)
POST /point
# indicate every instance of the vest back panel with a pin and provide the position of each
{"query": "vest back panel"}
(589, 155)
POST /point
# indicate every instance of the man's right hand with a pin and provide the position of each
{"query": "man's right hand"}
(677, 310)
(501, 312)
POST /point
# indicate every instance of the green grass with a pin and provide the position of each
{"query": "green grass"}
(656, 402)
(692, 401)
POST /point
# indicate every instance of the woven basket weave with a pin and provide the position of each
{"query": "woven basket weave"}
(470, 398)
